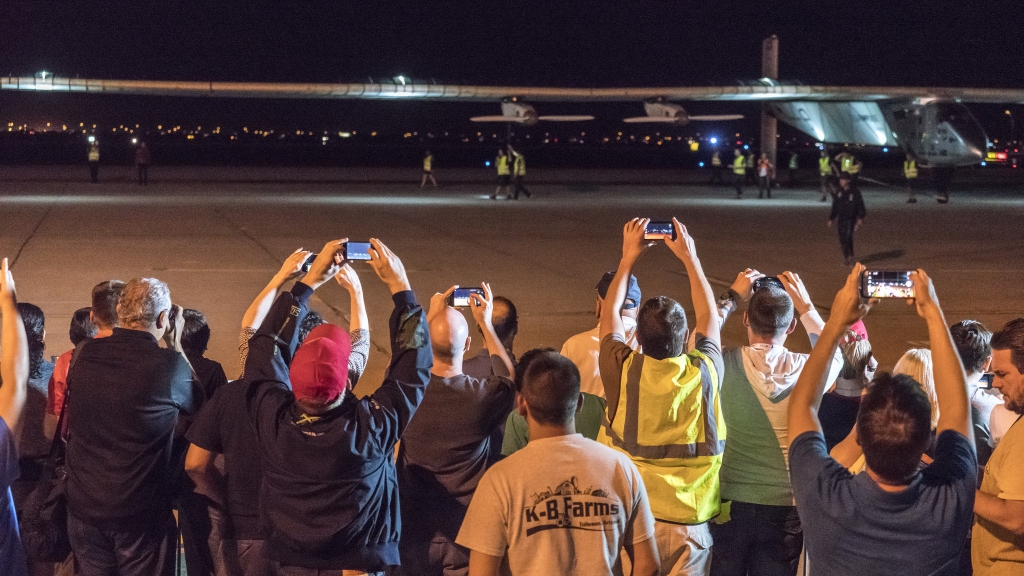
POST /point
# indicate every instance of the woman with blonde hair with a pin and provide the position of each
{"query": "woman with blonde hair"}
(917, 364)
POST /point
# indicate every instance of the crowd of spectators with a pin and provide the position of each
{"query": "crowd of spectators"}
(644, 447)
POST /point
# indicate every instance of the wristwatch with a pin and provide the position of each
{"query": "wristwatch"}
(729, 301)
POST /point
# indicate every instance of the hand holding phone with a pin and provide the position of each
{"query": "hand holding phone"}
(308, 262)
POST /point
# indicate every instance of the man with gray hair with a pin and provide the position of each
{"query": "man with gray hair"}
(124, 396)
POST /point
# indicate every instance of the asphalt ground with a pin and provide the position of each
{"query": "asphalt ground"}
(216, 236)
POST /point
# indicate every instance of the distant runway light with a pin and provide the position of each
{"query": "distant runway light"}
(714, 140)
(701, 164)
(488, 163)
(886, 149)
(746, 147)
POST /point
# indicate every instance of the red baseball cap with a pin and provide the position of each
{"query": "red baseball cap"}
(860, 329)
(319, 370)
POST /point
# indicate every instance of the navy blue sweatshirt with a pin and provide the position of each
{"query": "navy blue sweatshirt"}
(329, 495)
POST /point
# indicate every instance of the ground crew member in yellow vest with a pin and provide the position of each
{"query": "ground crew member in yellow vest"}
(739, 172)
(794, 165)
(716, 168)
(94, 161)
(848, 163)
(428, 170)
(663, 404)
(910, 173)
(825, 173)
(518, 173)
(504, 175)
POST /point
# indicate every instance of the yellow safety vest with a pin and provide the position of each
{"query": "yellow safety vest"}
(910, 169)
(675, 438)
(739, 166)
(94, 154)
(519, 165)
(427, 163)
(824, 166)
(716, 160)
(502, 163)
(845, 163)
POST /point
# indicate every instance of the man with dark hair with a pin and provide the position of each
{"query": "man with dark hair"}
(563, 504)
(329, 493)
(972, 343)
(195, 337)
(761, 534)
(997, 543)
(505, 320)
(584, 349)
(847, 214)
(893, 518)
(447, 447)
(517, 430)
(102, 319)
(678, 450)
(121, 469)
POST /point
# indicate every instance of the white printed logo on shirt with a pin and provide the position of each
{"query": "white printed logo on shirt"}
(567, 507)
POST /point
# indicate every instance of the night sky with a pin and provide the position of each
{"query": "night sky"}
(541, 42)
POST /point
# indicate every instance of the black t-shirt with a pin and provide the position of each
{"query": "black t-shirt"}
(124, 396)
(851, 526)
(223, 427)
(210, 373)
(447, 448)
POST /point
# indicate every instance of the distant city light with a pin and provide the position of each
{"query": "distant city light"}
(91, 139)
(714, 140)
(135, 140)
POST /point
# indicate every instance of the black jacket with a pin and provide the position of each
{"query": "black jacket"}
(847, 204)
(329, 495)
(124, 396)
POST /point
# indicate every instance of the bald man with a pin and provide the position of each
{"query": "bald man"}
(447, 447)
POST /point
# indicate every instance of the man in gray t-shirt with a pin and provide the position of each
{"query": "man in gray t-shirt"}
(447, 447)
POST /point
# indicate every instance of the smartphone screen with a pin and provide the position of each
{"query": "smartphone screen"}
(768, 281)
(357, 250)
(460, 297)
(887, 284)
(986, 380)
(660, 230)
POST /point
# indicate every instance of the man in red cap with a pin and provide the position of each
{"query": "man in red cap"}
(329, 494)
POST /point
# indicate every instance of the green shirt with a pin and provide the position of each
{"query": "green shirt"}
(588, 422)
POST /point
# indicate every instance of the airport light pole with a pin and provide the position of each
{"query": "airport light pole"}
(769, 70)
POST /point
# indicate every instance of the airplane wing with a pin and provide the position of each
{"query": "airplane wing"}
(513, 119)
(384, 91)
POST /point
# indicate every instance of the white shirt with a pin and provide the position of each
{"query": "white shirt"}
(584, 349)
(563, 505)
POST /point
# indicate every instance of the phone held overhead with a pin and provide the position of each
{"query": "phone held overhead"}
(887, 284)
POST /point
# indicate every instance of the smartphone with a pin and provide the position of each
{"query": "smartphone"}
(308, 263)
(986, 380)
(660, 230)
(357, 250)
(886, 284)
(460, 297)
(768, 282)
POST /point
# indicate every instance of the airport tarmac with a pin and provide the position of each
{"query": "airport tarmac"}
(216, 236)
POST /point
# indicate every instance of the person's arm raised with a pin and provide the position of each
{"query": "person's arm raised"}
(847, 308)
(707, 324)
(482, 309)
(14, 363)
(291, 269)
(349, 280)
(633, 245)
(950, 380)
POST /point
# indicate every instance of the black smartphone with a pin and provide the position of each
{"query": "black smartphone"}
(886, 284)
(460, 297)
(309, 262)
(986, 380)
(357, 250)
(768, 282)
(660, 230)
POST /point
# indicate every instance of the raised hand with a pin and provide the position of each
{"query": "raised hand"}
(483, 306)
(633, 243)
(388, 266)
(292, 267)
(744, 284)
(327, 264)
(848, 306)
(797, 291)
(683, 246)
